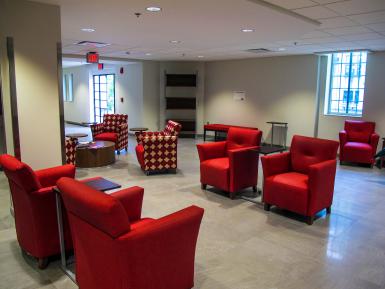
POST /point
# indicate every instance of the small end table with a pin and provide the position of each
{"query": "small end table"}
(139, 129)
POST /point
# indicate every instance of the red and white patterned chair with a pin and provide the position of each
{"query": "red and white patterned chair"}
(70, 144)
(157, 151)
(114, 128)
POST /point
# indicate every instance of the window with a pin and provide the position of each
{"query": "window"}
(347, 83)
(68, 87)
(104, 95)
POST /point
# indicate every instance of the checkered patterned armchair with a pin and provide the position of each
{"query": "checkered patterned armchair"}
(70, 144)
(157, 151)
(114, 128)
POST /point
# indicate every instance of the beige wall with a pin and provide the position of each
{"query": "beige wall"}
(35, 29)
(277, 89)
(138, 86)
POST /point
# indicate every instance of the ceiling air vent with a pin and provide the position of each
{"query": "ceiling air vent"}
(92, 44)
(258, 50)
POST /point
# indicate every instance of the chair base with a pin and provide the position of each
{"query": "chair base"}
(266, 207)
(309, 220)
(42, 263)
(166, 171)
(203, 186)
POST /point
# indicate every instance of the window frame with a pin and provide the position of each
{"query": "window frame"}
(96, 117)
(349, 90)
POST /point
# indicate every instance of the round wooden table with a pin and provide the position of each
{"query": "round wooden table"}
(76, 135)
(138, 129)
(95, 154)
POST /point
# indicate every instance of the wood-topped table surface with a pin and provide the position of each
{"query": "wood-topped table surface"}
(95, 154)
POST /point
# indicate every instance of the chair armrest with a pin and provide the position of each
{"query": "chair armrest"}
(165, 247)
(343, 135)
(374, 138)
(132, 200)
(49, 177)
(96, 129)
(275, 164)
(211, 150)
(243, 167)
(141, 135)
(321, 185)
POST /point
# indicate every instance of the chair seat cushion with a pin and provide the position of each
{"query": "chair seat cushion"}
(288, 191)
(215, 172)
(107, 136)
(140, 154)
(358, 152)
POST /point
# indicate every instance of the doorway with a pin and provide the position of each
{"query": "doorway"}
(104, 95)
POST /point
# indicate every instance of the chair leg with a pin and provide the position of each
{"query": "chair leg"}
(341, 163)
(42, 263)
(118, 152)
(266, 207)
(255, 189)
(203, 186)
(126, 148)
(232, 195)
(309, 220)
(329, 210)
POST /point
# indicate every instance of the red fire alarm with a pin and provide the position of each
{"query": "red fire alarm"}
(100, 66)
(92, 57)
(121, 70)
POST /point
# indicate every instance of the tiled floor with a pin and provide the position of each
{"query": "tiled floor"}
(241, 246)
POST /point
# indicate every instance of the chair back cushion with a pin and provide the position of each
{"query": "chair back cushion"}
(359, 131)
(20, 176)
(242, 137)
(98, 209)
(307, 151)
(172, 128)
(112, 122)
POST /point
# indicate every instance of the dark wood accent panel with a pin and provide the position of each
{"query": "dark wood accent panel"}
(13, 93)
(61, 102)
(186, 80)
(180, 103)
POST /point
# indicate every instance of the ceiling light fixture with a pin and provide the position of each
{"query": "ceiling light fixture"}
(200, 56)
(175, 41)
(88, 30)
(148, 54)
(246, 30)
(154, 9)
(281, 49)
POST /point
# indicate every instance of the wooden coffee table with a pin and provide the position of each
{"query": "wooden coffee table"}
(96, 154)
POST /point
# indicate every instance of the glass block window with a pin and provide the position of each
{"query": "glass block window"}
(347, 83)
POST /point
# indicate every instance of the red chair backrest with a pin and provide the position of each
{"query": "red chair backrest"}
(112, 121)
(359, 131)
(172, 128)
(307, 151)
(21, 177)
(242, 137)
(98, 209)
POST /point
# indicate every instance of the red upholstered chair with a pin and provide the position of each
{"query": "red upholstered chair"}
(358, 142)
(231, 165)
(302, 180)
(70, 147)
(157, 151)
(114, 128)
(116, 248)
(34, 206)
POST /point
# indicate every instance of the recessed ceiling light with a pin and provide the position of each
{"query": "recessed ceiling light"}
(200, 56)
(248, 30)
(154, 9)
(88, 30)
(282, 49)
(174, 41)
(148, 54)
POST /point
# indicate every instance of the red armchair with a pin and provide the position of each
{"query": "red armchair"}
(302, 180)
(157, 151)
(34, 206)
(358, 142)
(114, 128)
(231, 165)
(116, 248)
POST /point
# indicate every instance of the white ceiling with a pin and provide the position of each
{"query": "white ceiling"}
(212, 28)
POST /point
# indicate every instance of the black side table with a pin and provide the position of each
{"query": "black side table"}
(275, 124)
